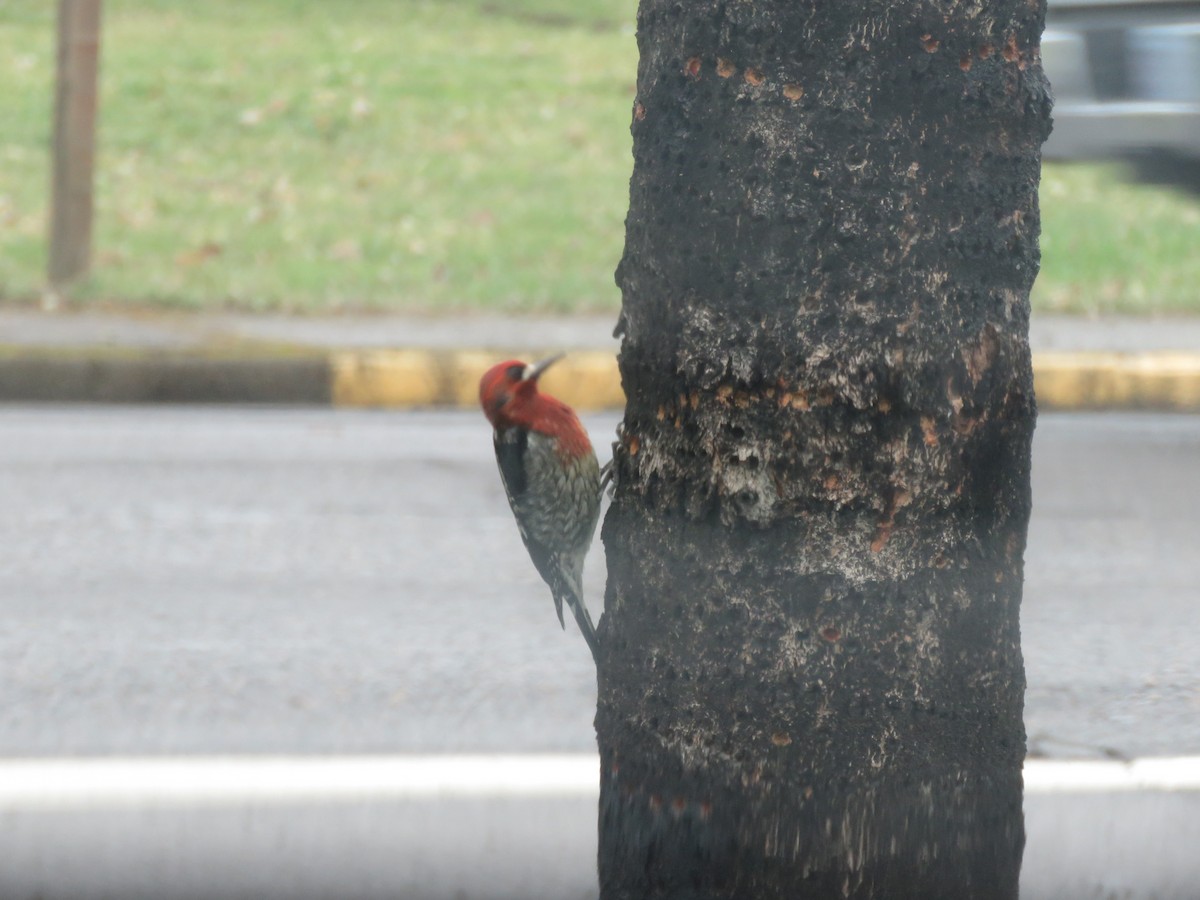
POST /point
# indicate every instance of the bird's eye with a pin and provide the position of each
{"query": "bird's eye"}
(515, 373)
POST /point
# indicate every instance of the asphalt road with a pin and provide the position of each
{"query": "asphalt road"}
(315, 581)
(214, 581)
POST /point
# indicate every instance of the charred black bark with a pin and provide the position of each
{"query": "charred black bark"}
(811, 682)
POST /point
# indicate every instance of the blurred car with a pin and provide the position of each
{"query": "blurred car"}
(1126, 82)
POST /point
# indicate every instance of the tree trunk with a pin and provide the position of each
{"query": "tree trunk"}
(811, 682)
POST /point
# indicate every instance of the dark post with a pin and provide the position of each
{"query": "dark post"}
(74, 139)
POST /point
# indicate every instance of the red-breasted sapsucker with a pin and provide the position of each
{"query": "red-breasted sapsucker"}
(551, 478)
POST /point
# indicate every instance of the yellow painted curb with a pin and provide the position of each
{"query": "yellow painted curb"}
(462, 371)
(586, 381)
(415, 378)
(384, 378)
(1161, 380)
(590, 380)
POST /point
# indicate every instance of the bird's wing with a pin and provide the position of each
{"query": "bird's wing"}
(511, 446)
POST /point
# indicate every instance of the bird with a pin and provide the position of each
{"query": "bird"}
(550, 476)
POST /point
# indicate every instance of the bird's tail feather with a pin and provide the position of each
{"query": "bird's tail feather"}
(586, 627)
(582, 618)
(565, 587)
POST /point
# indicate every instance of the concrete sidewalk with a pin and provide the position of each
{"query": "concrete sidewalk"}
(410, 361)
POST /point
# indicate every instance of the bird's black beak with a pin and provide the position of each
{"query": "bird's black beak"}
(533, 371)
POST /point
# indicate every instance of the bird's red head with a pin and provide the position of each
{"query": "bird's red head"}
(508, 393)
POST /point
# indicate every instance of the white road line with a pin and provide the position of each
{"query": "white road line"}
(231, 780)
(1151, 773)
(220, 780)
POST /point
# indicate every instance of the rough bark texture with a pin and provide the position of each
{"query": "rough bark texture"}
(811, 681)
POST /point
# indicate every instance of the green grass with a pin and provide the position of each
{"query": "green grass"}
(1112, 246)
(336, 154)
(400, 154)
